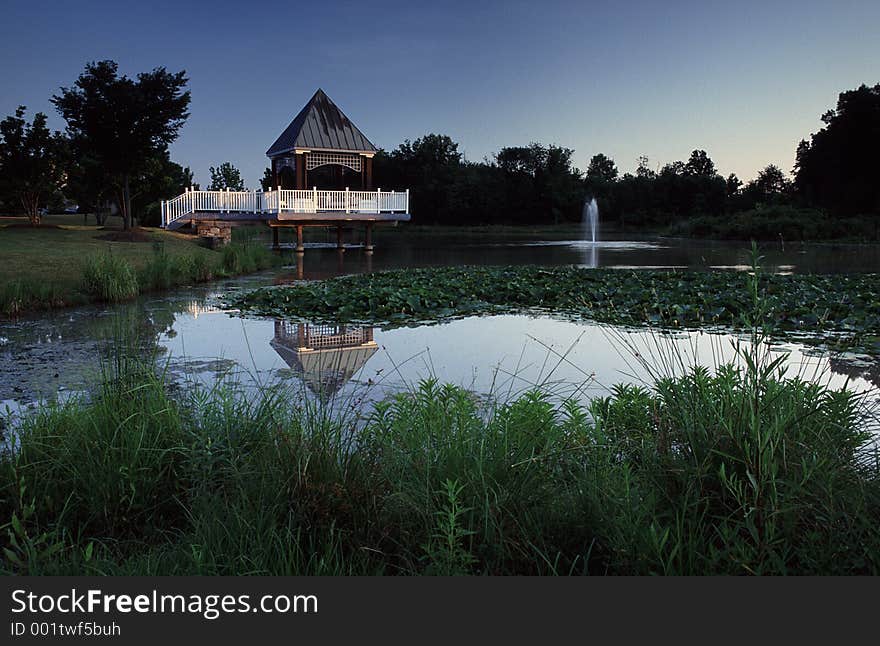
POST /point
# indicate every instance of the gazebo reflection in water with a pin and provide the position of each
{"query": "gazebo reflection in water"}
(326, 356)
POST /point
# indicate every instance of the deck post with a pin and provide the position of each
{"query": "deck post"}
(340, 243)
(278, 200)
(275, 242)
(368, 164)
(347, 200)
(368, 238)
(299, 239)
(378, 200)
(300, 167)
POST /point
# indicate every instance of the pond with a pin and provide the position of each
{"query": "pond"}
(50, 355)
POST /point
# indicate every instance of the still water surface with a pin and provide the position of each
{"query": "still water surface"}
(50, 355)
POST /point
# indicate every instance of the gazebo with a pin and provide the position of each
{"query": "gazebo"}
(322, 148)
(322, 175)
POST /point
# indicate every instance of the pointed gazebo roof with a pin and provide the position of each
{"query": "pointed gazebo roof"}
(321, 125)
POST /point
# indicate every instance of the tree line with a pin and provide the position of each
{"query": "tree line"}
(836, 170)
(115, 151)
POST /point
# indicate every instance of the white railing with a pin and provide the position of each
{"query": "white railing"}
(284, 201)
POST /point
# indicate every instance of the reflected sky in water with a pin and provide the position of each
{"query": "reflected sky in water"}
(502, 355)
(44, 355)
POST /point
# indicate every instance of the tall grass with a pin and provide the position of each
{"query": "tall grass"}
(246, 254)
(19, 296)
(108, 277)
(727, 473)
(163, 271)
(111, 278)
(741, 469)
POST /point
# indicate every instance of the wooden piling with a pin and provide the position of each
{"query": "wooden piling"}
(368, 237)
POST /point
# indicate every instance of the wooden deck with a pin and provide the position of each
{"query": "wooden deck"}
(331, 218)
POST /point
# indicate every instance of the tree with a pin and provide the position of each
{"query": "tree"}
(700, 165)
(266, 180)
(838, 168)
(772, 180)
(87, 185)
(226, 176)
(673, 168)
(124, 124)
(429, 166)
(601, 169)
(541, 181)
(601, 174)
(771, 186)
(430, 150)
(643, 170)
(733, 184)
(161, 179)
(31, 161)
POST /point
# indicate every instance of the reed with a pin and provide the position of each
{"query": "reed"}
(109, 277)
(22, 295)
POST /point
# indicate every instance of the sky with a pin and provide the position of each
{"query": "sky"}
(743, 80)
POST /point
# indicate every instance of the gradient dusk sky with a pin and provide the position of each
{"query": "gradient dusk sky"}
(743, 80)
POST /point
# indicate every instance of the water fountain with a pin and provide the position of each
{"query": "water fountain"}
(590, 218)
(621, 252)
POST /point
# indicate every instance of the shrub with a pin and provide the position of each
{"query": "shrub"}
(775, 223)
(161, 271)
(111, 278)
(246, 256)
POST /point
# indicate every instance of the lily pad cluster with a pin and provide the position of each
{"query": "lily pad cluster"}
(820, 306)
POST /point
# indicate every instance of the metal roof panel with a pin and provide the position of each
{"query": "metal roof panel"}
(321, 124)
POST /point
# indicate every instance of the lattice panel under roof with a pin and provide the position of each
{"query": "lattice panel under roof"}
(316, 159)
(324, 336)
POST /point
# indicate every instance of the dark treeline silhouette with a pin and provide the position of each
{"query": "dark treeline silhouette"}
(538, 184)
(838, 169)
(521, 185)
(835, 177)
(115, 150)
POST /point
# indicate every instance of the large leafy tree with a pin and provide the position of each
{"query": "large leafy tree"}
(733, 184)
(124, 124)
(542, 181)
(428, 165)
(770, 186)
(266, 180)
(700, 165)
(839, 167)
(601, 169)
(600, 176)
(32, 160)
(161, 179)
(226, 176)
(87, 184)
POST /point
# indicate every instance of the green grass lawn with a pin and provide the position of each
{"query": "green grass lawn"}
(55, 256)
(69, 264)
